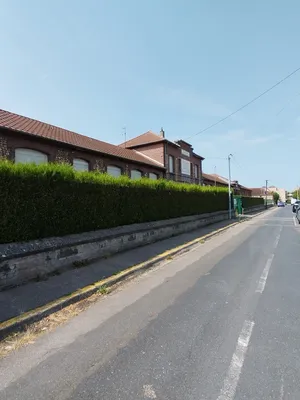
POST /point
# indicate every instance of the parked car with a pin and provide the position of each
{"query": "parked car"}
(280, 204)
(295, 205)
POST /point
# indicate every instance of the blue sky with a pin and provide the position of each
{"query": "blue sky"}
(96, 66)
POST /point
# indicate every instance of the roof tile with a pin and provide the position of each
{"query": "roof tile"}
(151, 137)
(214, 178)
(30, 126)
(145, 138)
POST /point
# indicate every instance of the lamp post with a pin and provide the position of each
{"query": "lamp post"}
(229, 186)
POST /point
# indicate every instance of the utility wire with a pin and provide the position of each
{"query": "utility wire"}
(247, 104)
(236, 162)
(288, 103)
(215, 158)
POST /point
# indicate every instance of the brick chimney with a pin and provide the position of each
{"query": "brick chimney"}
(162, 132)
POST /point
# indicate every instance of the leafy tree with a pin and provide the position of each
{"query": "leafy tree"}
(275, 197)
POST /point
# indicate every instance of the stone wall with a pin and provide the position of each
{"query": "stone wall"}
(21, 262)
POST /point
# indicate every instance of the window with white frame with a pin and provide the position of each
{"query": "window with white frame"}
(80, 165)
(30, 156)
(185, 153)
(114, 171)
(171, 164)
(153, 176)
(196, 169)
(135, 174)
(185, 167)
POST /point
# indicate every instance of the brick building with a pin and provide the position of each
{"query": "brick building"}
(213, 180)
(23, 139)
(217, 180)
(179, 159)
(268, 193)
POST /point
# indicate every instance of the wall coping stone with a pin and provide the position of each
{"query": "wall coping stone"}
(21, 249)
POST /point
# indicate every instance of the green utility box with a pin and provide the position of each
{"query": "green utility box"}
(238, 205)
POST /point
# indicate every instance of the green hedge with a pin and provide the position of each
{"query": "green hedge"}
(252, 201)
(54, 200)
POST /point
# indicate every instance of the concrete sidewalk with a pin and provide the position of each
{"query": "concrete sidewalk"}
(18, 300)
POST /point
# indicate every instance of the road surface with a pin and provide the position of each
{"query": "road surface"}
(221, 322)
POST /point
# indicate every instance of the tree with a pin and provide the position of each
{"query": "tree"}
(275, 197)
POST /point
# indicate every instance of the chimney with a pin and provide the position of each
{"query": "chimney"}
(162, 132)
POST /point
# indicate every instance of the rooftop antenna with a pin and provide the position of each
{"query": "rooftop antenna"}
(124, 133)
(215, 173)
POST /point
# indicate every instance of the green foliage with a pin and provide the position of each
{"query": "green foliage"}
(276, 197)
(54, 200)
(252, 201)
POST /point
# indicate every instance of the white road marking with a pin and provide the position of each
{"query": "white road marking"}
(149, 392)
(281, 396)
(277, 238)
(276, 241)
(281, 392)
(264, 276)
(263, 279)
(294, 219)
(237, 361)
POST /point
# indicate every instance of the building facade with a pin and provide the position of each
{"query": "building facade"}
(213, 180)
(280, 191)
(268, 194)
(182, 164)
(23, 139)
(217, 180)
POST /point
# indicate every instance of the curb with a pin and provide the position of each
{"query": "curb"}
(20, 322)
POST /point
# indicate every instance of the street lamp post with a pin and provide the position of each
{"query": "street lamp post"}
(229, 186)
(267, 193)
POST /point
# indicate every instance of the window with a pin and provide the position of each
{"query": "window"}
(171, 164)
(135, 174)
(30, 156)
(80, 165)
(185, 167)
(152, 175)
(114, 171)
(196, 171)
(185, 153)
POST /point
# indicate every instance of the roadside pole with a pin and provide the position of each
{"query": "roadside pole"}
(229, 186)
(266, 193)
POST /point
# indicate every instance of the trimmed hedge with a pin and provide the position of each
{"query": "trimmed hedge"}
(252, 201)
(54, 200)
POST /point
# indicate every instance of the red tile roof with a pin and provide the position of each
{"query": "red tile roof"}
(261, 191)
(151, 137)
(258, 191)
(244, 187)
(220, 179)
(214, 178)
(145, 138)
(33, 127)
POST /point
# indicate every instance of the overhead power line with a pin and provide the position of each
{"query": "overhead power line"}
(247, 104)
(236, 162)
(289, 102)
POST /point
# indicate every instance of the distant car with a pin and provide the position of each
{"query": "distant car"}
(280, 204)
(295, 206)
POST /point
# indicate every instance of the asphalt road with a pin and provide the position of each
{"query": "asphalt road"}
(221, 322)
